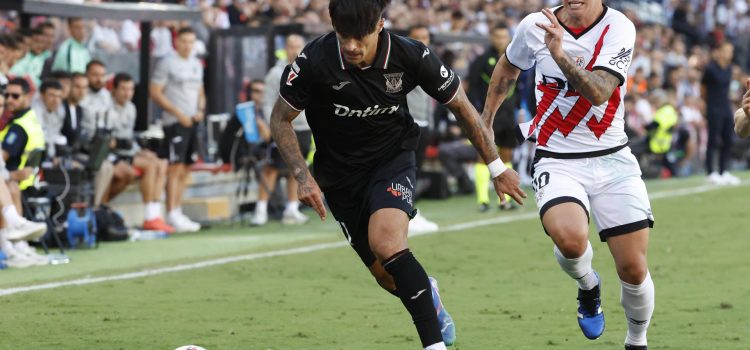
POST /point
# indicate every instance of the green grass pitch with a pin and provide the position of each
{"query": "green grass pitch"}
(499, 281)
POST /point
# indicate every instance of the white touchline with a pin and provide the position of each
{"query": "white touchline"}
(313, 248)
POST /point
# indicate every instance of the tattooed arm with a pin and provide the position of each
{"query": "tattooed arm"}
(503, 78)
(468, 119)
(742, 116)
(596, 86)
(286, 140)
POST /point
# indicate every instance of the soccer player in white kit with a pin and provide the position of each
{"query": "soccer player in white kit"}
(582, 51)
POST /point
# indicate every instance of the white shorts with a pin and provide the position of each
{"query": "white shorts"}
(610, 185)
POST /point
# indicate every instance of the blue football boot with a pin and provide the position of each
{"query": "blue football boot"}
(447, 328)
(590, 314)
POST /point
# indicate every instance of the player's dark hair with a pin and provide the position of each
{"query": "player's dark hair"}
(23, 32)
(45, 25)
(77, 75)
(37, 31)
(59, 74)
(500, 26)
(121, 78)
(356, 18)
(94, 63)
(418, 26)
(72, 20)
(50, 84)
(185, 30)
(25, 87)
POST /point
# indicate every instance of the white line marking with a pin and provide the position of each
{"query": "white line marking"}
(312, 248)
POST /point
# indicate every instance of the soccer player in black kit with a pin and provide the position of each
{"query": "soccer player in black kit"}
(352, 85)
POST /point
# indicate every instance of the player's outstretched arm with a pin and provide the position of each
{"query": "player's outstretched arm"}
(596, 86)
(504, 76)
(507, 181)
(742, 116)
(283, 134)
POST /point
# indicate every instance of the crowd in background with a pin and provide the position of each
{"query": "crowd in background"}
(682, 49)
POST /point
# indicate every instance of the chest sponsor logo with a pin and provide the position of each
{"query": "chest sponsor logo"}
(393, 82)
(372, 111)
(621, 59)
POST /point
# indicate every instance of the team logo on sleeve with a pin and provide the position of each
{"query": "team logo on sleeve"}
(621, 59)
(443, 72)
(393, 82)
(293, 73)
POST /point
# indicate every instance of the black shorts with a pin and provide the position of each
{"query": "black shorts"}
(304, 138)
(178, 145)
(390, 186)
(505, 133)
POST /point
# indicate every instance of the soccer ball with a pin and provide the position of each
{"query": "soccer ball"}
(190, 347)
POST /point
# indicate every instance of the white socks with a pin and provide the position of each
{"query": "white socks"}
(11, 216)
(176, 212)
(261, 206)
(638, 302)
(436, 346)
(152, 211)
(292, 206)
(579, 268)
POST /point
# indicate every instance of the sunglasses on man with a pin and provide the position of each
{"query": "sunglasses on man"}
(13, 95)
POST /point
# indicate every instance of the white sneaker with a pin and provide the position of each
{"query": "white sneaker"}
(716, 179)
(30, 253)
(260, 218)
(419, 224)
(26, 231)
(730, 179)
(294, 217)
(182, 223)
(14, 258)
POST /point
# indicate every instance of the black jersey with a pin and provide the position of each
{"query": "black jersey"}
(359, 117)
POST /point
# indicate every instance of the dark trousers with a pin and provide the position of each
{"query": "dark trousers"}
(720, 130)
(454, 154)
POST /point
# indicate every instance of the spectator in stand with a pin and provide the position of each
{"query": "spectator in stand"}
(72, 55)
(422, 109)
(72, 130)
(236, 13)
(122, 116)
(716, 80)
(50, 34)
(105, 37)
(15, 227)
(98, 100)
(48, 108)
(177, 87)
(32, 63)
(265, 94)
(8, 49)
(63, 78)
(22, 136)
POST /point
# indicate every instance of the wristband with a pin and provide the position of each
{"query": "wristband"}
(497, 167)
